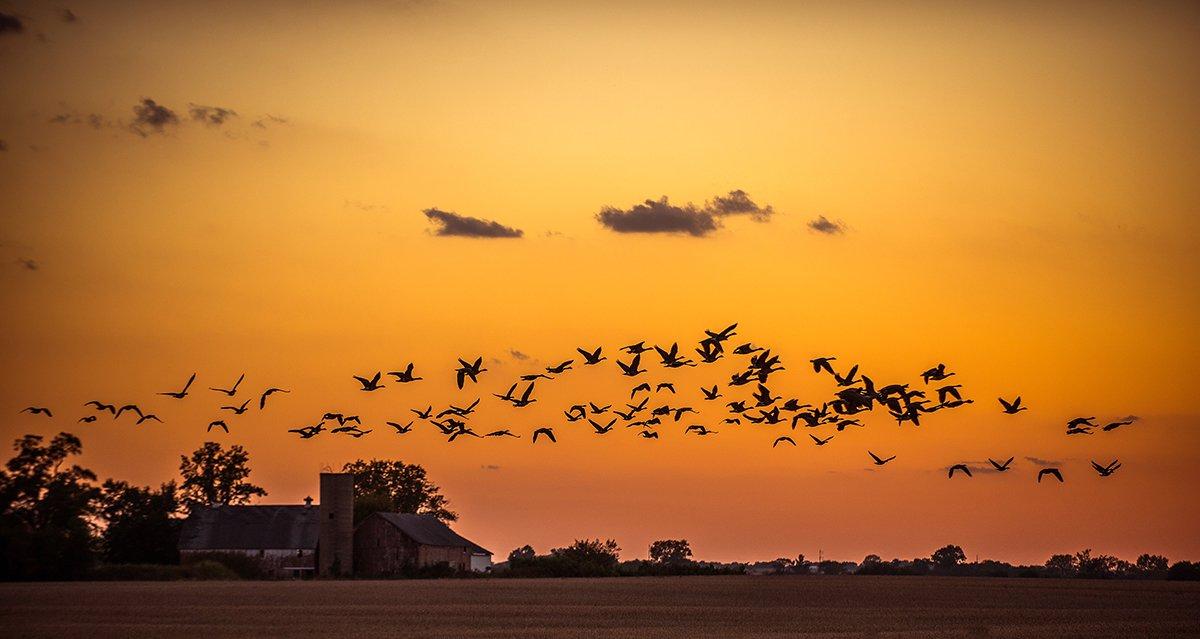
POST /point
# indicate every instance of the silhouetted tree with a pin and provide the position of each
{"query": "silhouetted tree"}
(1061, 565)
(1152, 564)
(948, 557)
(1184, 571)
(141, 524)
(215, 476)
(671, 551)
(524, 553)
(589, 558)
(1095, 567)
(45, 510)
(393, 486)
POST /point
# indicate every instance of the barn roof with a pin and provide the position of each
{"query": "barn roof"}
(250, 528)
(428, 530)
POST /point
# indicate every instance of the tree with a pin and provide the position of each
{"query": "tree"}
(393, 486)
(1184, 571)
(1061, 565)
(142, 526)
(671, 551)
(215, 476)
(948, 557)
(46, 508)
(588, 558)
(524, 553)
(1151, 564)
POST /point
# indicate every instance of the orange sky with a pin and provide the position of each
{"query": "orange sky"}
(1018, 186)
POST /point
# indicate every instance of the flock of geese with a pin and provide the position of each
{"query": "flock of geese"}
(857, 394)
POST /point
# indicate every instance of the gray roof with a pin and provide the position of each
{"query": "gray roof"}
(428, 530)
(251, 528)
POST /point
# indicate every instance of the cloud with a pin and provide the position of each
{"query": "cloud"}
(489, 467)
(824, 225)
(453, 224)
(658, 216)
(28, 264)
(151, 117)
(517, 355)
(66, 15)
(94, 120)
(267, 119)
(366, 207)
(210, 115)
(1043, 462)
(10, 24)
(3, 145)
(739, 203)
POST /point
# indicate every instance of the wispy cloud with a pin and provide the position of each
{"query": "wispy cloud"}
(68, 16)
(28, 264)
(10, 24)
(827, 226)
(451, 224)
(491, 467)
(150, 117)
(210, 115)
(738, 202)
(517, 355)
(1043, 462)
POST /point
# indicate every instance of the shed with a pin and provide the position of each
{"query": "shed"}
(282, 538)
(387, 544)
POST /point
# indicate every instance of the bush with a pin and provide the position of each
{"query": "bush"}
(1184, 571)
(242, 566)
(196, 571)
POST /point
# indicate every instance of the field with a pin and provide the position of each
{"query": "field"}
(646, 607)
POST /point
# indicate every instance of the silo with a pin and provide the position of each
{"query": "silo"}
(335, 545)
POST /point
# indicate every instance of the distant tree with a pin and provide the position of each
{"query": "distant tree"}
(1151, 564)
(141, 524)
(524, 553)
(1184, 571)
(671, 551)
(1088, 566)
(1061, 565)
(393, 486)
(588, 558)
(46, 506)
(872, 559)
(215, 476)
(830, 567)
(948, 557)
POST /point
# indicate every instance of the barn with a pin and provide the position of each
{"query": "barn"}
(321, 540)
(389, 544)
(286, 540)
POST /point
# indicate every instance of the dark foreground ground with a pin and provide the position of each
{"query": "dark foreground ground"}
(644, 607)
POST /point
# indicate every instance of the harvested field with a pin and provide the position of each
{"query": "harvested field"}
(645, 607)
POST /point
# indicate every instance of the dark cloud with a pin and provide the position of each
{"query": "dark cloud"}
(1043, 462)
(739, 203)
(28, 264)
(490, 467)
(658, 216)
(453, 224)
(151, 117)
(517, 355)
(66, 15)
(210, 115)
(94, 120)
(824, 225)
(3, 145)
(10, 24)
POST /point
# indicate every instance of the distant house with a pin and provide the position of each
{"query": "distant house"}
(387, 544)
(282, 538)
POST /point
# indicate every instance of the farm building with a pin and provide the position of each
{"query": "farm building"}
(393, 543)
(305, 540)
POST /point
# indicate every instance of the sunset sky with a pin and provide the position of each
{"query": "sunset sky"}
(1011, 188)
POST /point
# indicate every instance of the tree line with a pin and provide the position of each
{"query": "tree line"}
(58, 521)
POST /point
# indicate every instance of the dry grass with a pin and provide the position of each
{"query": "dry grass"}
(647, 607)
